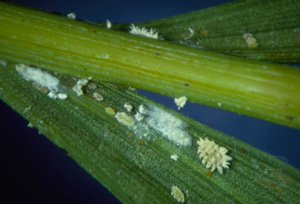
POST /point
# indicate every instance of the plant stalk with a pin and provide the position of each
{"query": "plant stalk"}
(267, 91)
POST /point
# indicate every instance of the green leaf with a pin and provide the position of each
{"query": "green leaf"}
(274, 24)
(134, 162)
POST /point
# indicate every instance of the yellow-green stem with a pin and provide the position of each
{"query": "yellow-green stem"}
(266, 91)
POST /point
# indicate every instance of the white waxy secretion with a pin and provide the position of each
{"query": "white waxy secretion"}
(169, 126)
(142, 109)
(138, 116)
(40, 77)
(135, 30)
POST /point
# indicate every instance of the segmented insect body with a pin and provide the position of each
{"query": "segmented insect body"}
(213, 156)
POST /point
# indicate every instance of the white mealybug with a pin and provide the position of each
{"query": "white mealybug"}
(128, 106)
(180, 102)
(62, 96)
(135, 30)
(174, 157)
(177, 194)
(92, 86)
(98, 96)
(3, 62)
(71, 16)
(79, 85)
(250, 40)
(110, 111)
(52, 95)
(108, 24)
(124, 119)
(213, 156)
(30, 125)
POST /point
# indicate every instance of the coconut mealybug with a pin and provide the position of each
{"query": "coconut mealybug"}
(213, 156)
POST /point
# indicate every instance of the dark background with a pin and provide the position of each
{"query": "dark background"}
(35, 170)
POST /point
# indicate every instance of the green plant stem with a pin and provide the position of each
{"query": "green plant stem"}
(262, 90)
